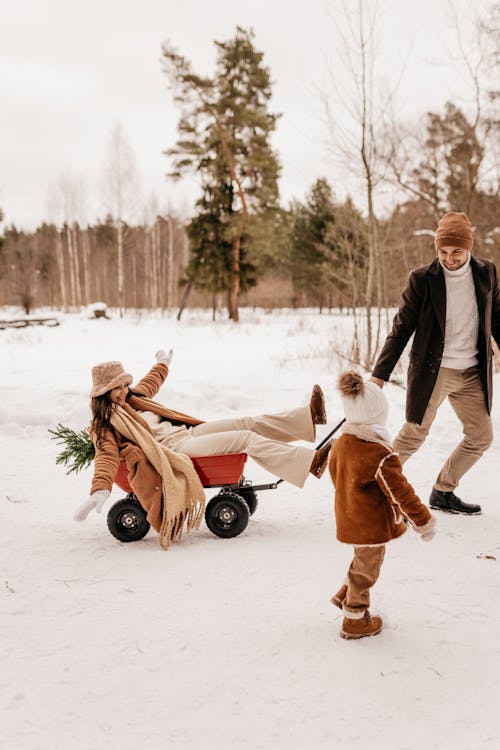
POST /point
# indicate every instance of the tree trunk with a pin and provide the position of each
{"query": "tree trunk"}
(60, 264)
(170, 255)
(235, 252)
(153, 268)
(72, 281)
(235, 281)
(184, 297)
(159, 264)
(135, 288)
(119, 237)
(86, 272)
(76, 262)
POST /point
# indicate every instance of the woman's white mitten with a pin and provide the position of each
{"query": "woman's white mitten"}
(162, 356)
(96, 501)
(100, 498)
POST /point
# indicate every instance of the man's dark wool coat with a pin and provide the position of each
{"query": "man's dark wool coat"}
(423, 311)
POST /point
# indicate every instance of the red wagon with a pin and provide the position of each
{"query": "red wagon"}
(226, 514)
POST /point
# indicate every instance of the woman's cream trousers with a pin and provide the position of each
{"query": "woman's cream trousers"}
(264, 438)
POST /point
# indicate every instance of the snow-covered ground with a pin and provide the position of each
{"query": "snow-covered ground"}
(229, 644)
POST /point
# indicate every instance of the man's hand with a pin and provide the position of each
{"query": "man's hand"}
(377, 381)
(162, 356)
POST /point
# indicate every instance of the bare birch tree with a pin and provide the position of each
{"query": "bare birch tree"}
(120, 194)
(445, 165)
(67, 206)
(358, 98)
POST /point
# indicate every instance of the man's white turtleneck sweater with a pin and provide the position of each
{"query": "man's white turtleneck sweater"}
(462, 319)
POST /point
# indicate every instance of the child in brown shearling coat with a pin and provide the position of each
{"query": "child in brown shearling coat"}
(373, 499)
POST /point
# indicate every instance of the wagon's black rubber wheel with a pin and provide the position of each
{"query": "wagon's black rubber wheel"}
(250, 497)
(127, 520)
(227, 515)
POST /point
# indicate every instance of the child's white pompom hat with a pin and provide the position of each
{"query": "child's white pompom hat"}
(363, 402)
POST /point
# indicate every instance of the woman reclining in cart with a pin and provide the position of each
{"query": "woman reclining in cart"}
(154, 442)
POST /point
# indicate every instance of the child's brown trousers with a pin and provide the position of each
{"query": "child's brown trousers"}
(362, 575)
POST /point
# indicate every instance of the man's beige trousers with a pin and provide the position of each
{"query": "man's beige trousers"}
(263, 438)
(464, 391)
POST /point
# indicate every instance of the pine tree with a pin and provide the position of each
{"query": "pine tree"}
(447, 175)
(224, 136)
(328, 249)
(311, 250)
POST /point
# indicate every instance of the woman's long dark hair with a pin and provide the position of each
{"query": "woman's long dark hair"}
(101, 407)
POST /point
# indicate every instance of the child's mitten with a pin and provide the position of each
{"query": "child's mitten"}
(428, 531)
(429, 535)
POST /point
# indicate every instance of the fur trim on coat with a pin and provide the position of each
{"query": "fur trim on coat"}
(373, 498)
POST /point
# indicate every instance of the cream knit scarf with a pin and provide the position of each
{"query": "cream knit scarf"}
(183, 495)
(371, 433)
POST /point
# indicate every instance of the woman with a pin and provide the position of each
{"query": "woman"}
(155, 441)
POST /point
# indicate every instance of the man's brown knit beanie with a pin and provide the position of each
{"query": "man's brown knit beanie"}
(454, 230)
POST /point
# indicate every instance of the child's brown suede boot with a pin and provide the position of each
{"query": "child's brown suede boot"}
(360, 627)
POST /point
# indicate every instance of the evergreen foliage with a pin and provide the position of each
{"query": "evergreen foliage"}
(310, 249)
(328, 249)
(448, 170)
(79, 450)
(209, 264)
(224, 137)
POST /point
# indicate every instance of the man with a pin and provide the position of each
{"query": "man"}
(452, 306)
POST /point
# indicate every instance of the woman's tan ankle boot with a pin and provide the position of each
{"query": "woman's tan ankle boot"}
(320, 460)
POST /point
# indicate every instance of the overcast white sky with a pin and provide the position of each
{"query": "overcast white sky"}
(69, 69)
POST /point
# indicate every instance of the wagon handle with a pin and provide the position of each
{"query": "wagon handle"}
(325, 439)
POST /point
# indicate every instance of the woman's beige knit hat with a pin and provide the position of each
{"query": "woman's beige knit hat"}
(108, 375)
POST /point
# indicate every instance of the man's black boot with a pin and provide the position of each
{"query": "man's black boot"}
(450, 503)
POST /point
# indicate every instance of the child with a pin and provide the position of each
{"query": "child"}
(373, 500)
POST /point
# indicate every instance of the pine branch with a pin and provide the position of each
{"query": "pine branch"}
(79, 450)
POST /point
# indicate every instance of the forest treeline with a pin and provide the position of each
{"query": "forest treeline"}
(317, 258)
(242, 246)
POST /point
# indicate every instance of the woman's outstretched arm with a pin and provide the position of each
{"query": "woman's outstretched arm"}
(151, 383)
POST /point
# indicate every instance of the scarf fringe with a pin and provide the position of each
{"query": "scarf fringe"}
(187, 493)
(172, 528)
